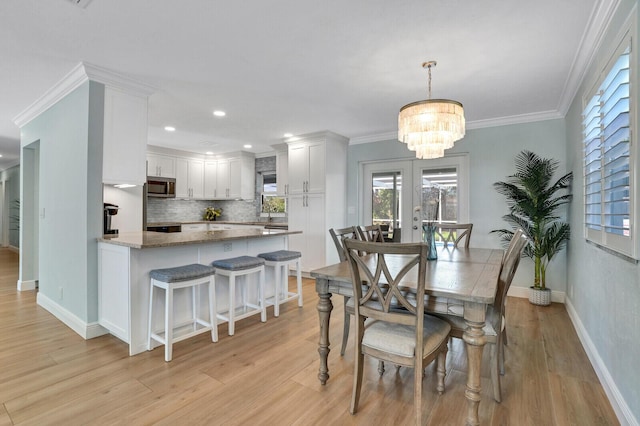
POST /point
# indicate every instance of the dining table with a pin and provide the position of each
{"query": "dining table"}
(462, 281)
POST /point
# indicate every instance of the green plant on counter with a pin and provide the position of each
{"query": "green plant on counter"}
(211, 213)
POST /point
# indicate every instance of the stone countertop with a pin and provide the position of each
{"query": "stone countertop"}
(221, 222)
(145, 239)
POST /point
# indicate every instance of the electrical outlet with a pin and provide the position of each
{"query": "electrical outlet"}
(227, 247)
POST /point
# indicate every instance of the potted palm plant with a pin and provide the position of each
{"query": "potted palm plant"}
(533, 199)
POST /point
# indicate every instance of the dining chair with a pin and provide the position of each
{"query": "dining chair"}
(405, 337)
(371, 233)
(338, 236)
(454, 233)
(495, 319)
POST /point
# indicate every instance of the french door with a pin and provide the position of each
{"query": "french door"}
(392, 194)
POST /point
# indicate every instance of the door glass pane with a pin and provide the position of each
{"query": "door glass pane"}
(440, 186)
(386, 201)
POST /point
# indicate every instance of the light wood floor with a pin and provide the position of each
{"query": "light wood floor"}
(266, 374)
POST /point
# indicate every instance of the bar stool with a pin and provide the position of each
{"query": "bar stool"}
(171, 279)
(280, 261)
(237, 267)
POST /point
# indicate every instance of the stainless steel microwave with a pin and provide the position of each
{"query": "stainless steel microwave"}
(161, 187)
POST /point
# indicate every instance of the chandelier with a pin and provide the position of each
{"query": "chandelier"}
(429, 127)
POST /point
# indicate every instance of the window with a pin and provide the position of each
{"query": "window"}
(608, 161)
(272, 204)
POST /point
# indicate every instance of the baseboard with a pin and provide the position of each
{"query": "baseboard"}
(14, 249)
(86, 330)
(523, 292)
(620, 406)
(25, 285)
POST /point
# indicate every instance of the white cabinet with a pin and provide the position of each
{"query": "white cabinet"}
(161, 165)
(230, 178)
(307, 167)
(317, 195)
(125, 138)
(189, 178)
(282, 172)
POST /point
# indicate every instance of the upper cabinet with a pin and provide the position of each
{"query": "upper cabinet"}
(125, 137)
(189, 178)
(307, 166)
(230, 178)
(282, 172)
(161, 165)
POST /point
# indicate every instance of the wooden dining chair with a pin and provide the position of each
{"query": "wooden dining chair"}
(338, 236)
(495, 319)
(371, 233)
(454, 233)
(405, 337)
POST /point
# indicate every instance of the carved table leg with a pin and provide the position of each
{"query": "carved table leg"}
(324, 313)
(475, 340)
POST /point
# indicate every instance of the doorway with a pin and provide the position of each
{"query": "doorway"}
(29, 217)
(392, 193)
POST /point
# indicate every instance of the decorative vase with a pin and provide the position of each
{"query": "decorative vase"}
(540, 296)
(430, 238)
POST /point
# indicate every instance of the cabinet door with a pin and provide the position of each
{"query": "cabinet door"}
(125, 138)
(235, 178)
(297, 218)
(182, 178)
(161, 165)
(222, 174)
(282, 172)
(314, 257)
(210, 179)
(298, 168)
(196, 178)
(316, 162)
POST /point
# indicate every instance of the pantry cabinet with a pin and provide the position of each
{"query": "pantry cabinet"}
(317, 195)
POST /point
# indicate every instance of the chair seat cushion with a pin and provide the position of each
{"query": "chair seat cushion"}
(238, 263)
(400, 339)
(182, 273)
(280, 255)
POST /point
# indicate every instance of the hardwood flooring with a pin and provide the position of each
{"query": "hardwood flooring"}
(267, 374)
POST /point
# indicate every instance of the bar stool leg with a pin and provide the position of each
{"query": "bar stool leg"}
(150, 317)
(263, 305)
(213, 316)
(168, 324)
(278, 289)
(232, 303)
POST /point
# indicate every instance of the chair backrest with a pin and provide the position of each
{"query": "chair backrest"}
(383, 271)
(338, 236)
(510, 262)
(454, 233)
(371, 233)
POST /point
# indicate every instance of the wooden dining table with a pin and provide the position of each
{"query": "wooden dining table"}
(461, 281)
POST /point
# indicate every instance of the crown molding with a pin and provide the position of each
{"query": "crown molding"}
(374, 138)
(77, 76)
(514, 119)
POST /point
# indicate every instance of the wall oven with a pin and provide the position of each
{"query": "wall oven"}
(161, 187)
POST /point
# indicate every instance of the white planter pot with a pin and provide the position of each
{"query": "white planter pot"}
(539, 296)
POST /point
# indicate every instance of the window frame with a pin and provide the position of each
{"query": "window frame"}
(626, 245)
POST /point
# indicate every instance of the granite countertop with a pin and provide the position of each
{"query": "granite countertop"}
(222, 222)
(145, 239)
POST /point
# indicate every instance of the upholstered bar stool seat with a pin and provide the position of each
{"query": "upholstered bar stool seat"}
(237, 267)
(171, 279)
(280, 261)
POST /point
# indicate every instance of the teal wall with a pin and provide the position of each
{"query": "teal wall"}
(491, 158)
(603, 289)
(69, 137)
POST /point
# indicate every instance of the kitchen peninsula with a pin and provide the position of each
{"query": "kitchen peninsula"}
(124, 262)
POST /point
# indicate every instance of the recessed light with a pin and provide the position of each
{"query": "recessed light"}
(219, 113)
(170, 128)
(0, 155)
(247, 146)
(209, 153)
(288, 135)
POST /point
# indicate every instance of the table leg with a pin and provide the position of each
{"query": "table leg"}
(324, 313)
(475, 340)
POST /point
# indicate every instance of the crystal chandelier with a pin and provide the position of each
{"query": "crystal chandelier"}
(429, 127)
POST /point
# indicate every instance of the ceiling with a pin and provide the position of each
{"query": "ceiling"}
(300, 66)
